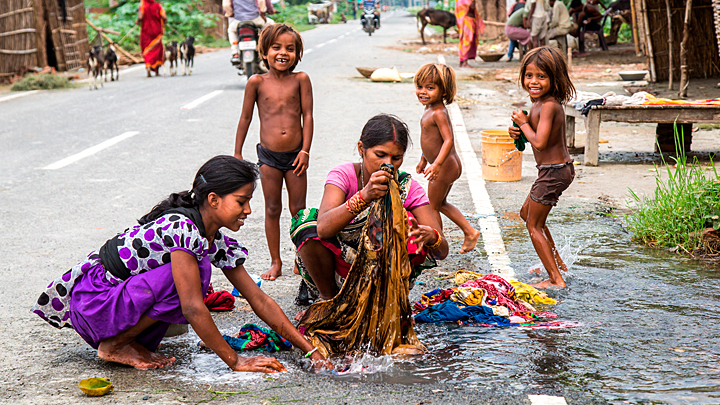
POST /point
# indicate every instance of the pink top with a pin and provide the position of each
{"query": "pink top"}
(344, 177)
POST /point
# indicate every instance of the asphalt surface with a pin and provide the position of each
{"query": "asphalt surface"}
(51, 218)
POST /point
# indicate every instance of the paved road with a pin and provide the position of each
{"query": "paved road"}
(54, 212)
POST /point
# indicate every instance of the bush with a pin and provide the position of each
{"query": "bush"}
(41, 82)
(682, 206)
(183, 18)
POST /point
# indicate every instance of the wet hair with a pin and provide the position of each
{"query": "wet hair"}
(221, 175)
(552, 63)
(441, 75)
(384, 128)
(270, 34)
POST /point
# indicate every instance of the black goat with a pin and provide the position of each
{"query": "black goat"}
(111, 61)
(187, 55)
(432, 16)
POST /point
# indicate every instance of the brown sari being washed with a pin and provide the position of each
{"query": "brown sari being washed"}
(371, 312)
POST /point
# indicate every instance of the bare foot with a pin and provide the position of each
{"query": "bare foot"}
(547, 283)
(295, 269)
(133, 354)
(470, 242)
(274, 272)
(465, 64)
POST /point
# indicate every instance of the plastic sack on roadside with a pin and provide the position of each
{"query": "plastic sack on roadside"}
(386, 75)
(371, 313)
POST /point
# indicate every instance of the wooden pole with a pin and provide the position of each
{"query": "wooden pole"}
(670, 45)
(117, 47)
(648, 41)
(634, 28)
(684, 82)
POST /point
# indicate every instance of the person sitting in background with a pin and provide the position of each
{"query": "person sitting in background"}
(537, 21)
(560, 23)
(515, 7)
(516, 32)
(238, 11)
(589, 20)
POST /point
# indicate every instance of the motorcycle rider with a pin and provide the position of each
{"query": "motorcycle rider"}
(372, 5)
(239, 11)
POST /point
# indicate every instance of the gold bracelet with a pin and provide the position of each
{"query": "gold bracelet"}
(437, 242)
(356, 204)
(307, 153)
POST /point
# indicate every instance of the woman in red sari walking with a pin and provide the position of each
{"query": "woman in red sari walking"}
(152, 18)
(470, 27)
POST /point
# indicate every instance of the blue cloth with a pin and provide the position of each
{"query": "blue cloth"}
(451, 311)
(511, 49)
(253, 337)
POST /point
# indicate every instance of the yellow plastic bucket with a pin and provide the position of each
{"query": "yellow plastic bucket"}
(501, 161)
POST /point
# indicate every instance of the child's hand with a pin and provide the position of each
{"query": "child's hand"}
(258, 364)
(519, 118)
(376, 187)
(514, 132)
(239, 156)
(432, 172)
(421, 234)
(301, 163)
(421, 165)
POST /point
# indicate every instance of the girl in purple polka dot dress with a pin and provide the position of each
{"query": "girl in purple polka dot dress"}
(122, 298)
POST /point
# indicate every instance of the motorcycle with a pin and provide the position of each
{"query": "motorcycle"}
(369, 21)
(249, 62)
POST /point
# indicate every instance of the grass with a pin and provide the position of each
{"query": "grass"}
(684, 204)
(41, 82)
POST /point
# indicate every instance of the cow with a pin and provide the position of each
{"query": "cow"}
(432, 16)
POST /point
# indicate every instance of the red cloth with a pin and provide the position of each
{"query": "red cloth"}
(151, 33)
(220, 301)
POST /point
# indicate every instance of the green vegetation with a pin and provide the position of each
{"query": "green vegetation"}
(41, 82)
(682, 207)
(184, 18)
(293, 15)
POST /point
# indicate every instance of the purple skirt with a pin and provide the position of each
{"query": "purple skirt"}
(100, 310)
(519, 34)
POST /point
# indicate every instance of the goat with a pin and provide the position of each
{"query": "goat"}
(432, 16)
(171, 57)
(187, 55)
(95, 66)
(111, 61)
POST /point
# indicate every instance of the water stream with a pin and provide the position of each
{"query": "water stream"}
(651, 327)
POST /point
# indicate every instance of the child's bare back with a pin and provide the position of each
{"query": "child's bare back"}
(431, 143)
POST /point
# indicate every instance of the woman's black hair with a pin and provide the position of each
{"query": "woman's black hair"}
(221, 175)
(384, 128)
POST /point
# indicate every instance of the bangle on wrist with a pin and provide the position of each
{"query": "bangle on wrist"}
(437, 242)
(308, 354)
(356, 204)
(523, 124)
(305, 152)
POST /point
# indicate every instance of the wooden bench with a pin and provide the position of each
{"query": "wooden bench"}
(659, 114)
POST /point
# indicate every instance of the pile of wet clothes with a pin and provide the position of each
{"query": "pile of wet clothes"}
(488, 300)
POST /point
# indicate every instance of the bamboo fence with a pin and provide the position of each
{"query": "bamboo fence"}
(703, 56)
(34, 34)
(18, 37)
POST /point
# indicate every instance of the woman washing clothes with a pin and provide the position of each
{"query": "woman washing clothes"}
(327, 238)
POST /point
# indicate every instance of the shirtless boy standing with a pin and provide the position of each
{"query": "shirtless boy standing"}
(285, 102)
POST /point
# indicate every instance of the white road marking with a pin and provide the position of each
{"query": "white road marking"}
(546, 400)
(332, 40)
(18, 95)
(90, 151)
(200, 100)
(307, 51)
(492, 239)
(320, 45)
